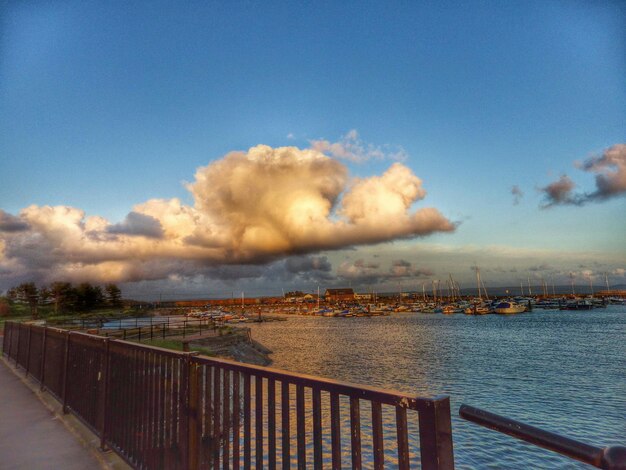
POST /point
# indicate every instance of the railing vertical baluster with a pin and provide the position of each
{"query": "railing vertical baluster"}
(167, 412)
(355, 432)
(271, 423)
(17, 350)
(335, 429)
(317, 428)
(402, 438)
(104, 395)
(199, 427)
(193, 414)
(209, 438)
(147, 405)
(30, 333)
(435, 429)
(159, 408)
(43, 359)
(176, 371)
(183, 413)
(301, 426)
(66, 371)
(226, 420)
(377, 436)
(133, 430)
(247, 431)
(258, 382)
(142, 404)
(217, 409)
(286, 437)
(150, 416)
(236, 420)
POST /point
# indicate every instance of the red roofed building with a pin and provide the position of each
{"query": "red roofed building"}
(339, 295)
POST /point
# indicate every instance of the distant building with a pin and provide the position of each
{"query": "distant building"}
(339, 295)
(363, 296)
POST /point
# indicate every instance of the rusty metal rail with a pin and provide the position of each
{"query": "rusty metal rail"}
(609, 458)
(165, 409)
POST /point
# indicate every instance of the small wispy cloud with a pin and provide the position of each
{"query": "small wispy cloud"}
(517, 194)
(610, 171)
(559, 192)
(352, 148)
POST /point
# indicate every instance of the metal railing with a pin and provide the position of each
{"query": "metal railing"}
(144, 330)
(164, 409)
(608, 458)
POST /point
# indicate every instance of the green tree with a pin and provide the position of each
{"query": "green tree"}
(88, 296)
(62, 295)
(113, 295)
(27, 292)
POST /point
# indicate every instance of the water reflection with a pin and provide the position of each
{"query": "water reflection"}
(563, 371)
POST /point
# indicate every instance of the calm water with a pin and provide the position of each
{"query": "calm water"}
(562, 371)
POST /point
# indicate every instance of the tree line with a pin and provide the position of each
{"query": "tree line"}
(65, 296)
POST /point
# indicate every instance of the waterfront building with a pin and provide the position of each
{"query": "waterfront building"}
(339, 295)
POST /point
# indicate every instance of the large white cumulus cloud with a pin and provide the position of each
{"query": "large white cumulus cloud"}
(249, 208)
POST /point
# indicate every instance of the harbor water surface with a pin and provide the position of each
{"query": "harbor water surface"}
(563, 371)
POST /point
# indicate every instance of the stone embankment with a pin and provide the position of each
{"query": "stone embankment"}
(236, 344)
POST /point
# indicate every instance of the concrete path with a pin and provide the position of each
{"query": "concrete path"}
(31, 435)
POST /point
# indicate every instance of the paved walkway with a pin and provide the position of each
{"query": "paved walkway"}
(31, 436)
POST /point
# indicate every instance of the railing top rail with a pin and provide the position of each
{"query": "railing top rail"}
(610, 458)
(138, 346)
(384, 396)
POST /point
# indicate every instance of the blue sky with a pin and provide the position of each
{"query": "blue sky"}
(105, 106)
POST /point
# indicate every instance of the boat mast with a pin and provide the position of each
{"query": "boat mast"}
(530, 291)
(606, 279)
(484, 289)
(521, 286)
(318, 297)
(478, 282)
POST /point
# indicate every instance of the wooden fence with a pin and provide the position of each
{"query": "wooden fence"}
(161, 409)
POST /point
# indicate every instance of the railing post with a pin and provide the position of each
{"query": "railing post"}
(193, 440)
(435, 428)
(66, 371)
(104, 400)
(43, 358)
(186, 420)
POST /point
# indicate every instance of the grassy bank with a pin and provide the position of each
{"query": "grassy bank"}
(175, 345)
(14, 311)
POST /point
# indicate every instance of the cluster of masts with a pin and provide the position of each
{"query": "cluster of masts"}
(453, 290)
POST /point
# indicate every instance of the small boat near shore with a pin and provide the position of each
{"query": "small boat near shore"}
(508, 307)
(578, 304)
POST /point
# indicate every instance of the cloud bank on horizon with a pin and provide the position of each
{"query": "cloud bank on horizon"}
(249, 208)
(610, 180)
